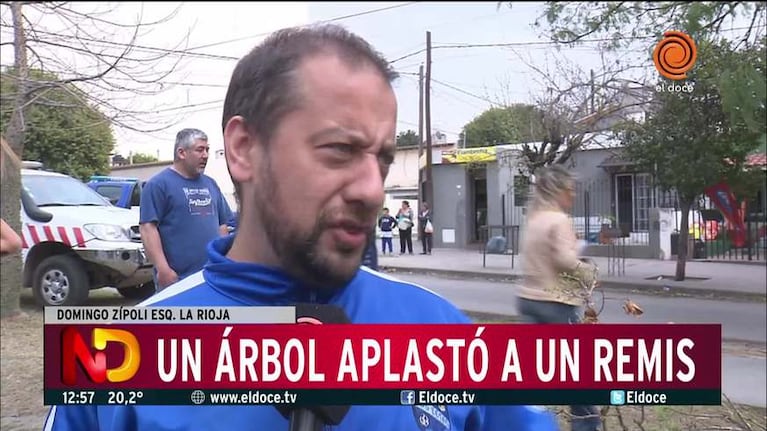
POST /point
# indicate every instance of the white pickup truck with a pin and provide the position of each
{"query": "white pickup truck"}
(75, 240)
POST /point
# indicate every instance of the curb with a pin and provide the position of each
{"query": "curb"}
(610, 284)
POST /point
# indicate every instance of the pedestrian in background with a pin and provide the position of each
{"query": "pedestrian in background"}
(182, 210)
(405, 226)
(10, 241)
(386, 223)
(425, 228)
(548, 249)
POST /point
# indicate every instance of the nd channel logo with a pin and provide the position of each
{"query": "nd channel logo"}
(74, 349)
(407, 398)
(617, 398)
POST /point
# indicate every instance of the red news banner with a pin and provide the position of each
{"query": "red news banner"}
(224, 353)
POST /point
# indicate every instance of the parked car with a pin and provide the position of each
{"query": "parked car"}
(121, 191)
(75, 240)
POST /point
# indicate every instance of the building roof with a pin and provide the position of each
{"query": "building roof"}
(142, 165)
(616, 161)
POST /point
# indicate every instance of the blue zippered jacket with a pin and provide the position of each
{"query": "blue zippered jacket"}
(371, 297)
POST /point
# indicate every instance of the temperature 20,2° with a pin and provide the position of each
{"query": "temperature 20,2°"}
(123, 398)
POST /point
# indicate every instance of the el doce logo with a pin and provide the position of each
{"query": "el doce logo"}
(674, 55)
(74, 349)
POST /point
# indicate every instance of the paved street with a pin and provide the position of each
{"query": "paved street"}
(744, 378)
(740, 321)
(726, 279)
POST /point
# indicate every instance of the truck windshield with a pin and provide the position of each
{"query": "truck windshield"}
(48, 190)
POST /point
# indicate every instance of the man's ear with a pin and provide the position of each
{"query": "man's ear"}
(239, 147)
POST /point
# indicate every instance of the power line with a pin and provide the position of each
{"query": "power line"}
(505, 44)
(339, 18)
(546, 43)
(453, 98)
(152, 49)
(408, 123)
(190, 51)
(460, 90)
(408, 55)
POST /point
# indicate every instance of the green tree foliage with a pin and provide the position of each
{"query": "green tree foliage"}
(407, 138)
(62, 130)
(143, 158)
(624, 22)
(691, 142)
(741, 83)
(518, 123)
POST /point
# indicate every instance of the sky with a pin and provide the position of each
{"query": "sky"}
(466, 80)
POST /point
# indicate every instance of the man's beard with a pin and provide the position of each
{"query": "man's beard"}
(299, 252)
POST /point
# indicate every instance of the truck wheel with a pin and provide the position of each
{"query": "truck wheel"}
(60, 281)
(142, 291)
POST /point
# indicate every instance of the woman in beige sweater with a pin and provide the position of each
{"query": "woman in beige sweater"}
(549, 248)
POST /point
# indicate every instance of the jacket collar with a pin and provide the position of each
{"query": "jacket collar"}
(255, 284)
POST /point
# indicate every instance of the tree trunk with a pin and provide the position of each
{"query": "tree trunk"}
(10, 266)
(684, 234)
(10, 276)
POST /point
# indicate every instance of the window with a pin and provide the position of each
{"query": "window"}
(112, 193)
(51, 190)
(135, 197)
(634, 197)
(643, 202)
(521, 190)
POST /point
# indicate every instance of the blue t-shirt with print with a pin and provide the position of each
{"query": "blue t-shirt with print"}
(188, 214)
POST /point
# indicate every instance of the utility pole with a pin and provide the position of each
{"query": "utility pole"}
(427, 114)
(420, 133)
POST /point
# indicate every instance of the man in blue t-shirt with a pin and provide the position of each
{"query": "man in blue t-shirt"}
(181, 211)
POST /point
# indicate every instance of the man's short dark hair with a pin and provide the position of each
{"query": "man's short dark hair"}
(263, 87)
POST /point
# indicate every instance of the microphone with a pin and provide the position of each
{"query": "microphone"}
(314, 418)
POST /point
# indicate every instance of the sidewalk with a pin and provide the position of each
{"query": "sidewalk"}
(708, 279)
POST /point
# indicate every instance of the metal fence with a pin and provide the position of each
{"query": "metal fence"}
(628, 209)
(713, 236)
(626, 202)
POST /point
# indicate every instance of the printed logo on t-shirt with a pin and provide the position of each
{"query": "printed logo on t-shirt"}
(199, 201)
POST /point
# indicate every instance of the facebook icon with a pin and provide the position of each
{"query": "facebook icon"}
(407, 398)
(617, 398)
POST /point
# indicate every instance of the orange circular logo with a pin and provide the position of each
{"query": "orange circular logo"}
(674, 55)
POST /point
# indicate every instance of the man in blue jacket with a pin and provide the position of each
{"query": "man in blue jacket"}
(309, 125)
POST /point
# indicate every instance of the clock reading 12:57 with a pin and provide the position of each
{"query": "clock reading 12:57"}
(78, 397)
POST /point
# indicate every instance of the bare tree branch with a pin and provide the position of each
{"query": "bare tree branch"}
(109, 73)
(754, 17)
(579, 108)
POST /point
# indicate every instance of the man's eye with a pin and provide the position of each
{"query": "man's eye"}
(345, 148)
